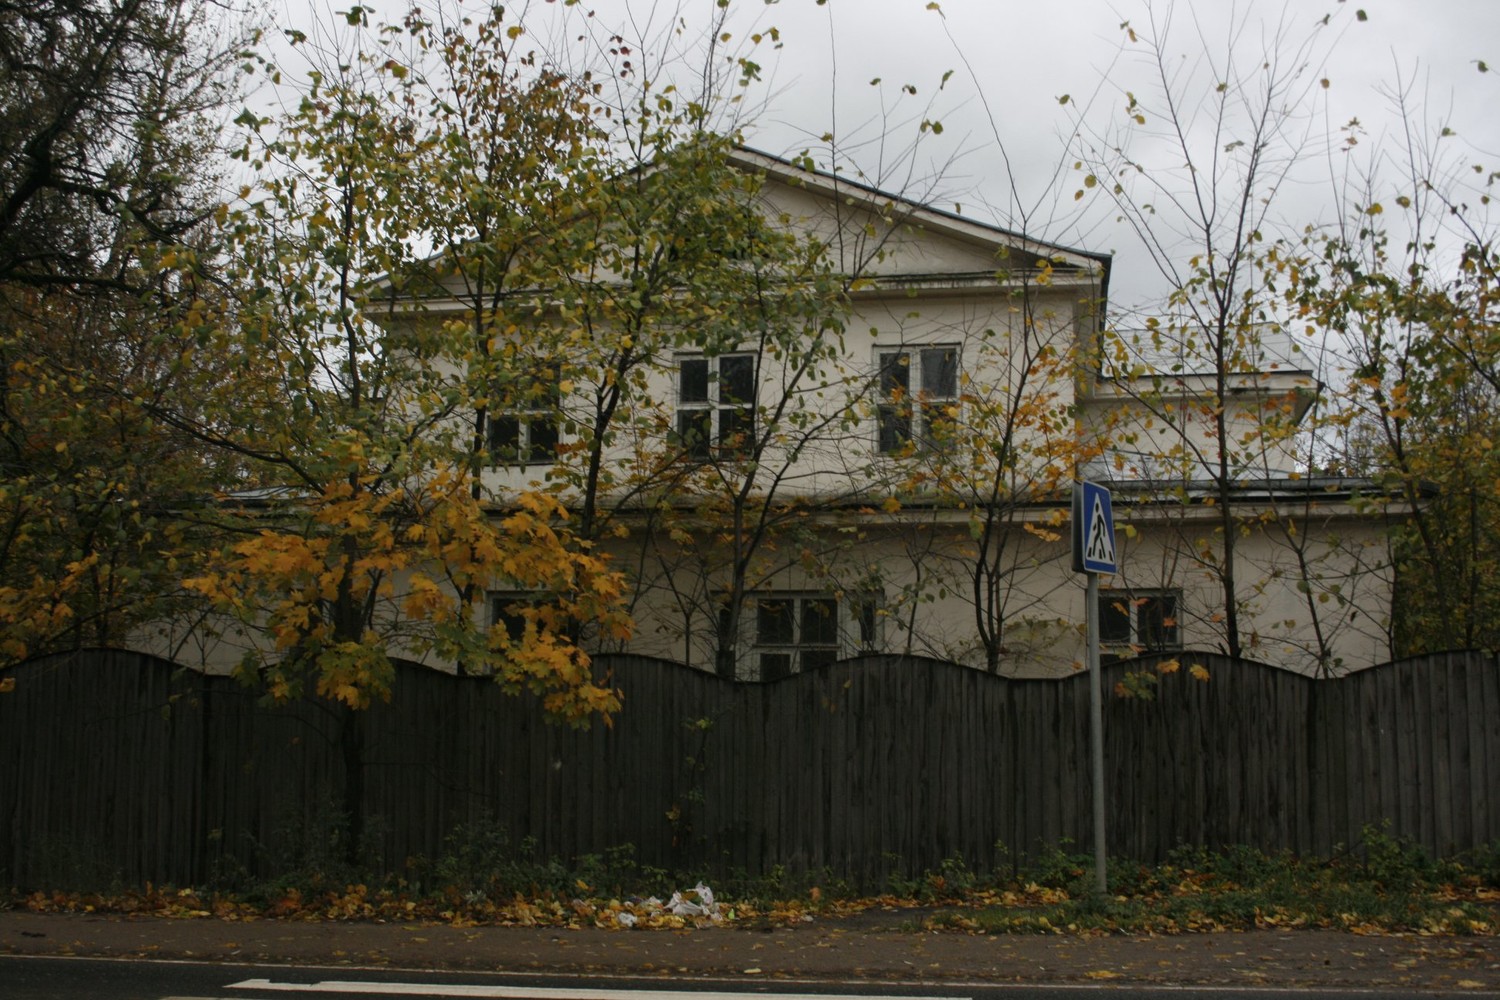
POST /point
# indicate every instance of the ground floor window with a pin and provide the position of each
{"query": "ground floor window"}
(786, 633)
(508, 610)
(1141, 621)
(795, 633)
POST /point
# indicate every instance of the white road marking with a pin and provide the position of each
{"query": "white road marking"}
(537, 992)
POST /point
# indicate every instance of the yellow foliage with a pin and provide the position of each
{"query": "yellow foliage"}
(409, 569)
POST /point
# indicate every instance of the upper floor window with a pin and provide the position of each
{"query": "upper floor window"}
(523, 426)
(1140, 620)
(918, 396)
(716, 404)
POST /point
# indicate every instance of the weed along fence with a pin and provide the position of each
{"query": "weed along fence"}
(116, 766)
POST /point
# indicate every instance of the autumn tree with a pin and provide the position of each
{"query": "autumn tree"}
(980, 426)
(106, 107)
(361, 531)
(108, 252)
(1407, 278)
(979, 443)
(762, 406)
(374, 538)
(669, 269)
(506, 147)
(1213, 389)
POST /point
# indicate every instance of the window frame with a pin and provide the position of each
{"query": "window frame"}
(543, 409)
(904, 419)
(494, 599)
(1136, 607)
(777, 657)
(851, 625)
(730, 423)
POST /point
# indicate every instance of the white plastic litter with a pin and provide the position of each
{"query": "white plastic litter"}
(625, 919)
(703, 906)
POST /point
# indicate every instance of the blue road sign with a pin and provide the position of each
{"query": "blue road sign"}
(1093, 530)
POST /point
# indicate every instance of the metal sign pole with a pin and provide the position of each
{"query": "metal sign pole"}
(1094, 552)
(1096, 732)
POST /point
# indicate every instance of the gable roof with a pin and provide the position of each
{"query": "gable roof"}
(836, 187)
(930, 247)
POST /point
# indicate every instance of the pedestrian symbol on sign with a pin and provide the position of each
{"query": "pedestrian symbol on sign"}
(1101, 544)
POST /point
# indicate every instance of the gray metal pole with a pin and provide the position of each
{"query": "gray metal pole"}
(1096, 731)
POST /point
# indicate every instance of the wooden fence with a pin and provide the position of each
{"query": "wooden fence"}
(118, 767)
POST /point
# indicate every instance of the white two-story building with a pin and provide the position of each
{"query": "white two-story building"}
(790, 487)
(808, 419)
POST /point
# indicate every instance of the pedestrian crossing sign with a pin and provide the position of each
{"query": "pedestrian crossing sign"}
(1093, 530)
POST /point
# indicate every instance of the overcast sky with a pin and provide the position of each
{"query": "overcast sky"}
(1013, 61)
(1003, 152)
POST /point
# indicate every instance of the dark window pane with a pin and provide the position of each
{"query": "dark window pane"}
(940, 372)
(867, 618)
(820, 622)
(737, 379)
(505, 438)
(895, 374)
(542, 434)
(693, 431)
(895, 427)
(737, 429)
(506, 613)
(1114, 619)
(774, 623)
(693, 380)
(1158, 622)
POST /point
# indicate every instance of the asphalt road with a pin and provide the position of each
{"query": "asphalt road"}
(40, 978)
(867, 949)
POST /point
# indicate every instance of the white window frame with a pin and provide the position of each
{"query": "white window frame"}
(909, 396)
(854, 627)
(1137, 606)
(541, 407)
(723, 437)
